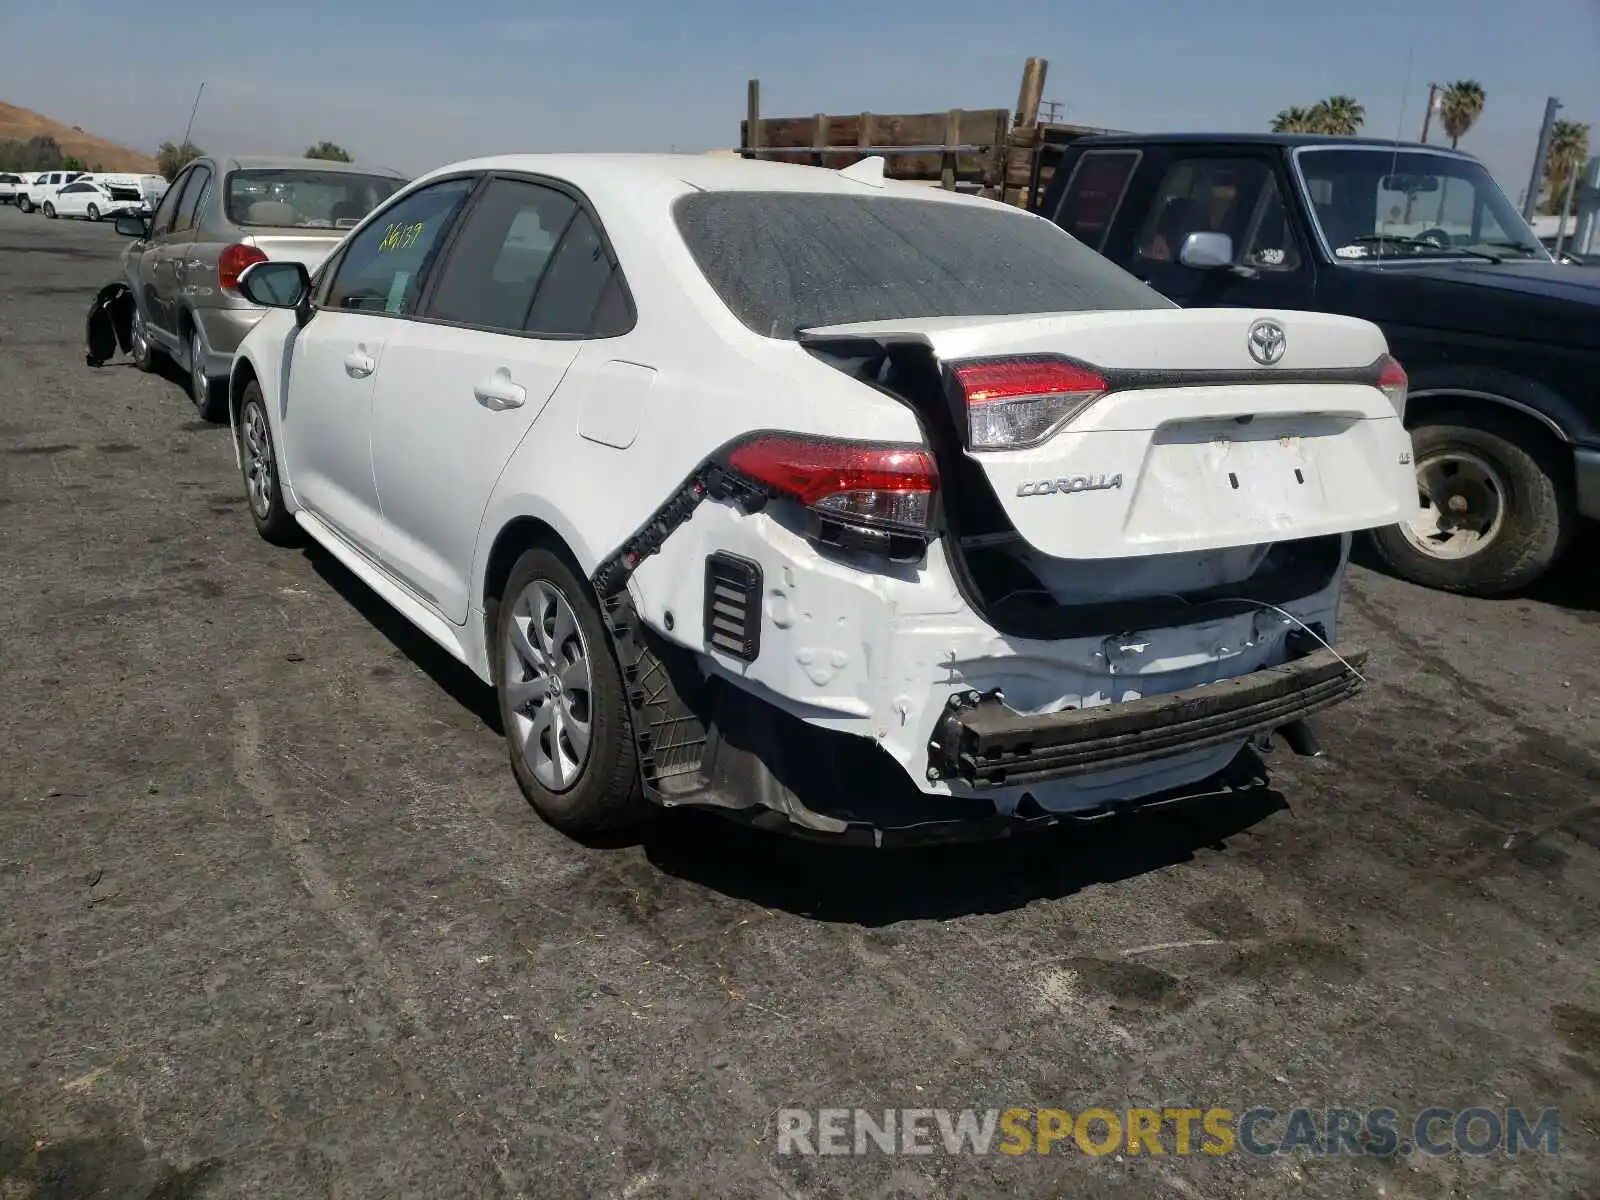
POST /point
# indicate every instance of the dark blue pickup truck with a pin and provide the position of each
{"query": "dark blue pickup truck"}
(1501, 343)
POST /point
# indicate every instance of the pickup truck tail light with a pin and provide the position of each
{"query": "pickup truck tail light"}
(1014, 403)
(1392, 383)
(232, 262)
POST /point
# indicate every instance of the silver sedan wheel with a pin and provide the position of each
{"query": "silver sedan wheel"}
(139, 339)
(197, 369)
(1461, 506)
(547, 679)
(258, 460)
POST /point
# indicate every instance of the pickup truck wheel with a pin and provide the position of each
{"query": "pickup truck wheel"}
(562, 700)
(263, 483)
(1492, 513)
(25, 204)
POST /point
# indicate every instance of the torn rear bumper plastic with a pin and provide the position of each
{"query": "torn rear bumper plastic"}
(983, 743)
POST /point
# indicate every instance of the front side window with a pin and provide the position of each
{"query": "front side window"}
(1234, 196)
(787, 261)
(1371, 204)
(169, 202)
(304, 198)
(384, 267)
(1094, 194)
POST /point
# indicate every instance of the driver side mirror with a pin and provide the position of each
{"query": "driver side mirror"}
(276, 284)
(1205, 251)
(129, 225)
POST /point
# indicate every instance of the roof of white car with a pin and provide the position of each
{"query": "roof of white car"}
(697, 172)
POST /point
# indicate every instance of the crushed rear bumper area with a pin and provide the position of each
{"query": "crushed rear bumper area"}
(981, 742)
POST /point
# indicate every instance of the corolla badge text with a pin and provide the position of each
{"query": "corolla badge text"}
(1074, 483)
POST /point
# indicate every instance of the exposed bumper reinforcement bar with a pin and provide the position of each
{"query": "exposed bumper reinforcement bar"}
(985, 744)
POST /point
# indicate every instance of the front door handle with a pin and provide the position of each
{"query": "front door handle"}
(358, 365)
(498, 392)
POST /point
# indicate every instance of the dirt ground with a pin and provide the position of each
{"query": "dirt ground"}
(278, 922)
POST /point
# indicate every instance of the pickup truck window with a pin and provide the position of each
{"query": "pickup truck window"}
(787, 261)
(1094, 193)
(1235, 196)
(1381, 204)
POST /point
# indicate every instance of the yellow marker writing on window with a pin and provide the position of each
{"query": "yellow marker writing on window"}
(400, 236)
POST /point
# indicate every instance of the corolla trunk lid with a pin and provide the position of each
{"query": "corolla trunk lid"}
(1115, 434)
(306, 246)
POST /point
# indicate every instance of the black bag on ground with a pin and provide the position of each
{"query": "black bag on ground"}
(109, 324)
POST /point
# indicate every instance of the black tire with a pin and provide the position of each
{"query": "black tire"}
(49, 210)
(1537, 521)
(25, 204)
(608, 794)
(209, 395)
(93, 212)
(274, 521)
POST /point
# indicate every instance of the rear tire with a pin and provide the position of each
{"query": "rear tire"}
(25, 204)
(562, 700)
(1494, 510)
(208, 394)
(263, 482)
(143, 352)
(50, 210)
(93, 212)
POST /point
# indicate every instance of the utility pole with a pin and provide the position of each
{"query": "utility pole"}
(1052, 111)
(1530, 199)
(1427, 113)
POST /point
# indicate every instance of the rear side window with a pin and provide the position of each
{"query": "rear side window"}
(500, 255)
(1094, 194)
(580, 295)
(787, 261)
(189, 203)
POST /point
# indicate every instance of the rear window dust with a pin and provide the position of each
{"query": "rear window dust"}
(787, 261)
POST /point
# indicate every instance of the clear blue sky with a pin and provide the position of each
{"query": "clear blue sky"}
(415, 84)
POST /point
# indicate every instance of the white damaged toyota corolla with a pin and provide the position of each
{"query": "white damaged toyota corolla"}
(849, 507)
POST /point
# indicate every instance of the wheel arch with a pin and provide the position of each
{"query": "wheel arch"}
(519, 529)
(1533, 428)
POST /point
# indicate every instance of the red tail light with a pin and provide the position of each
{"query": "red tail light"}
(1392, 382)
(1013, 403)
(232, 262)
(859, 483)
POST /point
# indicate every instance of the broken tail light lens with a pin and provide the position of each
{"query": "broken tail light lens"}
(859, 483)
(1392, 383)
(232, 262)
(1014, 403)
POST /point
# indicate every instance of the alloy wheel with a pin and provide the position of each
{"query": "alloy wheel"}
(258, 466)
(548, 681)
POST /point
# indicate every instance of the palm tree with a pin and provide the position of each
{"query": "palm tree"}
(1569, 150)
(1339, 115)
(1293, 120)
(1460, 106)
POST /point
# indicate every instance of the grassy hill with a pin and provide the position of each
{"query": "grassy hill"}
(23, 123)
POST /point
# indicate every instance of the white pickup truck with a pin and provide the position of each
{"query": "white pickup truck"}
(40, 190)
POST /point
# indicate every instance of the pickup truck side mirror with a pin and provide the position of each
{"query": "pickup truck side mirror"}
(1207, 251)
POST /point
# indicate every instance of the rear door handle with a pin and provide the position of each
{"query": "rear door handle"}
(358, 365)
(498, 392)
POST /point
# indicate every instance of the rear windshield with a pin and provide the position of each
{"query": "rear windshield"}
(305, 199)
(787, 261)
